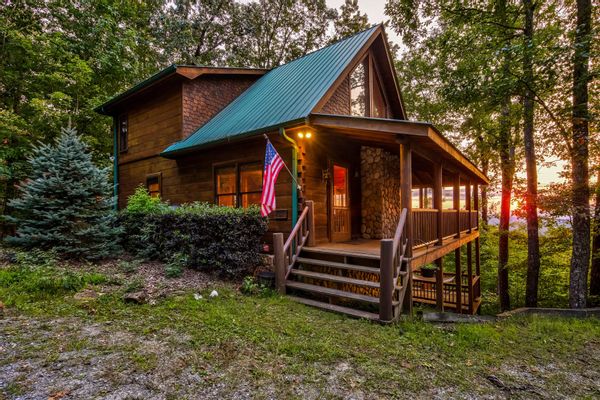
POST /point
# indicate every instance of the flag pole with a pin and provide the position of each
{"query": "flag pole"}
(284, 165)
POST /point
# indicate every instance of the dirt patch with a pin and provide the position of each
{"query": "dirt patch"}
(149, 278)
(71, 358)
(92, 361)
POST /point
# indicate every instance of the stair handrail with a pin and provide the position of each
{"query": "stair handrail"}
(286, 254)
(399, 230)
(391, 261)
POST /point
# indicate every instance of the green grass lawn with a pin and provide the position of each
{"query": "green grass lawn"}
(269, 347)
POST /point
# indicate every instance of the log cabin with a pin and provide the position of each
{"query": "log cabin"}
(363, 208)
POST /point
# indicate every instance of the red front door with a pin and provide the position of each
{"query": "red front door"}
(340, 204)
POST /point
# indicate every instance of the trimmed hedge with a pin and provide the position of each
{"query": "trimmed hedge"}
(222, 239)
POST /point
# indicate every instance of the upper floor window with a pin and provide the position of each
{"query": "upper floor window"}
(238, 185)
(379, 106)
(153, 184)
(359, 90)
(123, 133)
(367, 98)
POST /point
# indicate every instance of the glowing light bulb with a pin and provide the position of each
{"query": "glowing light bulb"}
(300, 135)
(308, 135)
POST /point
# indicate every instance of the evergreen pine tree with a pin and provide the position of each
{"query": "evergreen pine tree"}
(65, 205)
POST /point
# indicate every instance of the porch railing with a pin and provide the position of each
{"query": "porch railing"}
(425, 224)
(425, 290)
(286, 254)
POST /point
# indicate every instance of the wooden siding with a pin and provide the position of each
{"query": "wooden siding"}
(191, 178)
(318, 152)
(154, 123)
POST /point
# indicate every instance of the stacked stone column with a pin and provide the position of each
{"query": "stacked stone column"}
(380, 188)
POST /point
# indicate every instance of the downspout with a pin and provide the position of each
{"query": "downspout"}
(295, 173)
(115, 165)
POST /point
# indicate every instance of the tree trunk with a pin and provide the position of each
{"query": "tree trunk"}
(507, 169)
(533, 241)
(580, 257)
(485, 164)
(595, 275)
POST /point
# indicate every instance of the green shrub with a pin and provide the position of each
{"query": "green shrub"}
(141, 202)
(249, 286)
(129, 267)
(134, 286)
(174, 268)
(222, 239)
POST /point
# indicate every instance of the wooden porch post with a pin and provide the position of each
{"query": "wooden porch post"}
(439, 284)
(470, 274)
(421, 198)
(406, 191)
(437, 201)
(386, 280)
(468, 201)
(477, 260)
(279, 262)
(458, 279)
(456, 202)
(311, 223)
(476, 204)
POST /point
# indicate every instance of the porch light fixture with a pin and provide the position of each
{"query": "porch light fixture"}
(304, 135)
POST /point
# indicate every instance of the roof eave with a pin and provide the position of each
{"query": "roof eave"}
(104, 108)
(173, 154)
(173, 69)
(415, 128)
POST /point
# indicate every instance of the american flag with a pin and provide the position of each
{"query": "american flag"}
(273, 164)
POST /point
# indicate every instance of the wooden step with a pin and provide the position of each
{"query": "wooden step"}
(334, 264)
(335, 308)
(344, 253)
(333, 292)
(333, 278)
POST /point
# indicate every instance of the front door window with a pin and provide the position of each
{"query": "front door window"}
(340, 202)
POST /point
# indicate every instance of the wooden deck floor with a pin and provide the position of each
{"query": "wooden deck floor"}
(359, 247)
(421, 255)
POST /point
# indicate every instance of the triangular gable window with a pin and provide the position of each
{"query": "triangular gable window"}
(367, 98)
(359, 90)
(379, 106)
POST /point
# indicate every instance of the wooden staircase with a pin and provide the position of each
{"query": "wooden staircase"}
(334, 281)
(359, 285)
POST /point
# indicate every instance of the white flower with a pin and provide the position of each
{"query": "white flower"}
(214, 293)
(197, 296)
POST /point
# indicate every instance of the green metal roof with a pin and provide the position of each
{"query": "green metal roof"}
(170, 70)
(286, 93)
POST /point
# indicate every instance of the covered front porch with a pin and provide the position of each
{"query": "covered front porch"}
(442, 289)
(383, 198)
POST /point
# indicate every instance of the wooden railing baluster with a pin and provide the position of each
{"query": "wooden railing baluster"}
(286, 254)
(390, 271)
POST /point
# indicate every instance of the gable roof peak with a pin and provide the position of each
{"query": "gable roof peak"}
(287, 93)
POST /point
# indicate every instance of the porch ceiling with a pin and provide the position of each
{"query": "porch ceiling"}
(429, 143)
